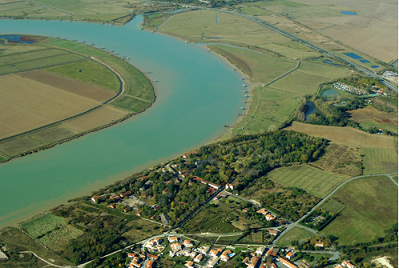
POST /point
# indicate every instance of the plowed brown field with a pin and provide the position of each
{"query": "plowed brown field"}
(344, 135)
(27, 104)
(372, 114)
(73, 86)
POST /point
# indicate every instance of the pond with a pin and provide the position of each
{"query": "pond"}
(330, 93)
(348, 13)
(311, 110)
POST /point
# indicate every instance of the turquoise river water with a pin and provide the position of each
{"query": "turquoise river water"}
(197, 94)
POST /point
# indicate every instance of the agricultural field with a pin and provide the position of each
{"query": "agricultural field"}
(332, 205)
(344, 135)
(295, 233)
(341, 159)
(312, 180)
(85, 10)
(50, 230)
(371, 206)
(371, 117)
(34, 98)
(379, 160)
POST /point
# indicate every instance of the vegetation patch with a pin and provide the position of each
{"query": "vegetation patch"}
(296, 233)
(314, 181)
(371, 206)
(379, 160)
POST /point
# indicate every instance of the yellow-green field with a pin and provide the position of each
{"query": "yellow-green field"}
(314, 181)
(379, 160)
(371, 206)
(295, 233)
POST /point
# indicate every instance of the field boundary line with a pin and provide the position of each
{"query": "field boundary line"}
(339, 146)
(281, 76)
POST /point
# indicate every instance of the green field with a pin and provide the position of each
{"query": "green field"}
(371, 206)
(379, 160)
(332, 205)
(52, 134)
(295, 233)
(370, 124)
(17, 145)
(312, 180)
(90, 72)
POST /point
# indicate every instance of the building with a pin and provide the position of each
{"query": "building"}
(175, 246)
(348, 264)
(226, 255)
(273, 232)
(262, 211)
(201, 180)
(188, 243)
(190, 264)
(260, 250)
(319, 244)
(95, 198)
(290, 255)
(198, 258)
(229, 186)
(287, 263)
(215, 252)
(125, 194)
(150, 264)
(212, 263)
(272, 252)
(255, 261)
(165, 219)
(270, 217)
(115, 197)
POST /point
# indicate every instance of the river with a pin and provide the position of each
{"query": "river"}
(197, 94)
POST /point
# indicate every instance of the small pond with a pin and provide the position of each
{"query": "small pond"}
(311, 110)
(348, 13)
(330, 93)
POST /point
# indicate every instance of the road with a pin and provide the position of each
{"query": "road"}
(289, 227)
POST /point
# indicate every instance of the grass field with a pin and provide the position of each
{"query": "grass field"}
(295, 233)
(332, 205)
(371, 117)
(88, 71)
(310, 179)
(52, 134)
(371, 206)
(379, 160)
(344, 135)
(50, 230)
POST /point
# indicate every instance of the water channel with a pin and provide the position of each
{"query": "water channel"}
(197, 94)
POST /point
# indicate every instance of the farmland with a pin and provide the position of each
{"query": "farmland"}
(379, 160)
(310, 179)
(368, 117)
(45, 85)
(344, 135)
(371, 206)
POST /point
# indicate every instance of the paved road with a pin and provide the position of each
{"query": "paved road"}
(327, 197)
(335, 254)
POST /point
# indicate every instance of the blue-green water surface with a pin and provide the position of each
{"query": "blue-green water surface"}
(197, 94)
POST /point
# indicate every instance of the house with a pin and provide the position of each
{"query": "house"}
(139, 213)
(165, 219)
(113, 206)
(199, 258)
(172, 239)
(348, 264)
(125, 194)
(273, 232)
(175, 246)
(272, 252)
(95, 198)
(226, 255)
(245, 210)
(201, 180)
(270, 217)
(260, 250)
(204, 249)
(262, 211)
(189, 264)
(115, 197)
(254, 262)
(229, 186)
(215, 252)
(187, 154)
(319, 244)
(290, 255)
(219, 196)
(212, 263)
(287, 263)
(150, 264)
(126, 209)
(131, 255)
(188, 243)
